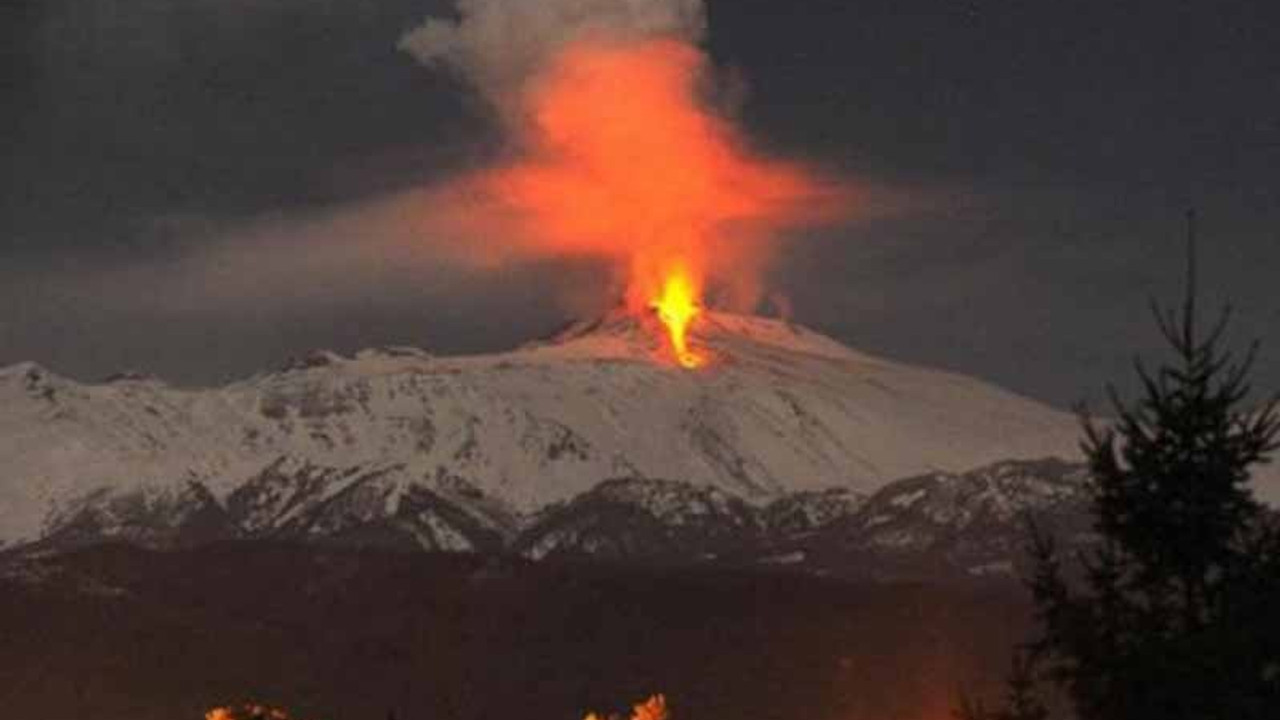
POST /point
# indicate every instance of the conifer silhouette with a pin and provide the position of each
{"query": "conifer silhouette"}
(1176, 614)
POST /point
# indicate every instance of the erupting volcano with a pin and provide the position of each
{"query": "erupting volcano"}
(620, 156)
(677, 307)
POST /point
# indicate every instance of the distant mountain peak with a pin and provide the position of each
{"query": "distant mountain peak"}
(724, 337)
(312, 360)
(779, 409)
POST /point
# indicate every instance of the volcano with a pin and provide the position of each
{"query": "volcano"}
(459, 448)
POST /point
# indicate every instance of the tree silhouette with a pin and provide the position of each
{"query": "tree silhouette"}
(1022, 701)
(1176, 614)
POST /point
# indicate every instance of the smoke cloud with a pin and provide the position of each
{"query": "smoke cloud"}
(498, 46)
(617, 149)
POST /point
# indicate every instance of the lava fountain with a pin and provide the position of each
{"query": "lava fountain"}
(620, 155)
(677, 307)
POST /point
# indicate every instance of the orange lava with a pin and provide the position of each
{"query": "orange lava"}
(677, 307)
(622, 158)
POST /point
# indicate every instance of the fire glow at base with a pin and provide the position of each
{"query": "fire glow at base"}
(677, 307)
(654, 708)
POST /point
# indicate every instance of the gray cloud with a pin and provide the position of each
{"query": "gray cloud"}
(497, 45)
(227, 299)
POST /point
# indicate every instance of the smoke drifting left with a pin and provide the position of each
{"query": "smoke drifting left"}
(617, 155)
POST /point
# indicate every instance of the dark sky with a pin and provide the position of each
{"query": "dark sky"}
(1044, 153)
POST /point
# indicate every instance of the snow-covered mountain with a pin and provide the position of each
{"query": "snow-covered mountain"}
(439, 451)
(934, 526)
(972, 524)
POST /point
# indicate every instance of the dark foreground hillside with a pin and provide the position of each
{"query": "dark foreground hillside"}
(119, 633)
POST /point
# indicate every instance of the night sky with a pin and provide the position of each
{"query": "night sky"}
(1029, 166)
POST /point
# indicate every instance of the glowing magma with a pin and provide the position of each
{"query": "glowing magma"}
(677, 307)
(621, 158)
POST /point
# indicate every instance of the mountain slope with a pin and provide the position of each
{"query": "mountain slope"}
(404, 445)
(971, 524)
(931, 527)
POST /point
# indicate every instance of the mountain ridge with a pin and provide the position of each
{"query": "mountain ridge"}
(780, 409)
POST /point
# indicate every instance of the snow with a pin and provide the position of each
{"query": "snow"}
(900, 539)
(791, 558)
(999, 567)
(909, 499)
(779, 409)
(444, 536)
(877, 520)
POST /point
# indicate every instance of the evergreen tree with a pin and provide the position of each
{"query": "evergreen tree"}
(1022, 701)
(1177, 613)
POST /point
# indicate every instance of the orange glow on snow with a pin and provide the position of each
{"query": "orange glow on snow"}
(677, 307)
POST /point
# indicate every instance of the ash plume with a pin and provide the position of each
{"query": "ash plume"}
(617, 150)
(498, 46)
